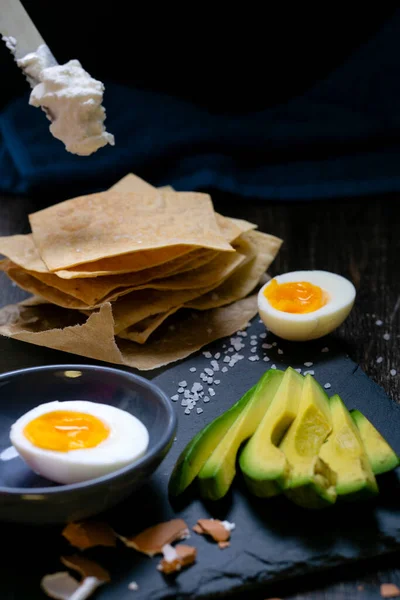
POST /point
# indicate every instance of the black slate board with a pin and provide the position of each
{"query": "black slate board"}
(273, 539)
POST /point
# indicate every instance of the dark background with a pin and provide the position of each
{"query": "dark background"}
(242, 58)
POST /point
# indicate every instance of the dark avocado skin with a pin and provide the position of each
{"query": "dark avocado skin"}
(380, 454)
(198, 450)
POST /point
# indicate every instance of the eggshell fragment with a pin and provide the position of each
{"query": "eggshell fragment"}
(86, 567)
(175, 559)
(214, 528)
(151, 540)
(223, 545)
(390, 590)
(88, 534)
(59, 586)
(198, 529)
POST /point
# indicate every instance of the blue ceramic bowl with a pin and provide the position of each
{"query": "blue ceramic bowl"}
(26, 497)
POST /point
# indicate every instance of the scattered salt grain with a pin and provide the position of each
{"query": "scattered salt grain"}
(280, 351)
(298, 370)
(327, 386)
(206, 399)
(393, 372)
(180, 390)
(310, 372)
(253, 358)
(308, 364)
(379, 360)
(211, 392)
(267, 346)
(227, 359)
(192, 369)
(326, 349)
(273, 366)
(217, 381)
(203, 376)
(175, 397)
(187, 411)
(133, 586)
(217, 356)
(386, 336)
(199, 410)
(266, 359)
(253, 337)
(262, 336)
(224, 346)
(237, 343)
(244, 333)
(207, 354)
(253, 349)
(183, 384)
(184, 402)
(209, 372)
(215, 365)
(224, 369)
(274, 343)
(231, 349)
(197, 387)
(379, 322)
(210, 380)
(187, 394)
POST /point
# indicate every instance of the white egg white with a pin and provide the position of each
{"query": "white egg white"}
(127, 441)
(316, 324)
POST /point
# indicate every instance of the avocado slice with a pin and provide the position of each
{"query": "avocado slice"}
(310, 482)
(217, 474)
(344, 452)
(381, 456)
(262, 463)
(197, 451)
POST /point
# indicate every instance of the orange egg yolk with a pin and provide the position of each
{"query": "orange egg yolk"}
(295, 297)
(63, 430)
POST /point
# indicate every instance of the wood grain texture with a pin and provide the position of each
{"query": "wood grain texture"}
(358, 238)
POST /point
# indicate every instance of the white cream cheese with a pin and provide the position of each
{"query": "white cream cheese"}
(71, 99)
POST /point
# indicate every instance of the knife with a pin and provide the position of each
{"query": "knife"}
(21, 35)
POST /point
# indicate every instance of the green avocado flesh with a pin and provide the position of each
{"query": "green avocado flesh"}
(310, 482)
(291, 439)
(197, 451)
(345, 454)
(217, 474)
(261, 462)
(381, 456)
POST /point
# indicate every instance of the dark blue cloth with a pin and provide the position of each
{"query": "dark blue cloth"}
(340, 138)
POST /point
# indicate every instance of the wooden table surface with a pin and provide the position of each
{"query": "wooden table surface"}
(358, 238)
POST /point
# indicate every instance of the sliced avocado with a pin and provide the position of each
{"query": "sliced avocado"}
(381, 456)
(310, 482)
(197, 451)
(262, 463)
(217, 474)
(344, 452)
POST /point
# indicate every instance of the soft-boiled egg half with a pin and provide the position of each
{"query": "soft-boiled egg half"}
(305, 305)
(73, 441)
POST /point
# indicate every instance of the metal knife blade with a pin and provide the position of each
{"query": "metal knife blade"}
(19, 32)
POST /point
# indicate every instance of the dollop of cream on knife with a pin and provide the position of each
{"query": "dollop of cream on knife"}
(71, 99)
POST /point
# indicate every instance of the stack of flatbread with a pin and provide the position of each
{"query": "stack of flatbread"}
(134, 275)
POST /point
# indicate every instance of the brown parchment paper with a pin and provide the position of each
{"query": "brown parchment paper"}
(69, 331)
